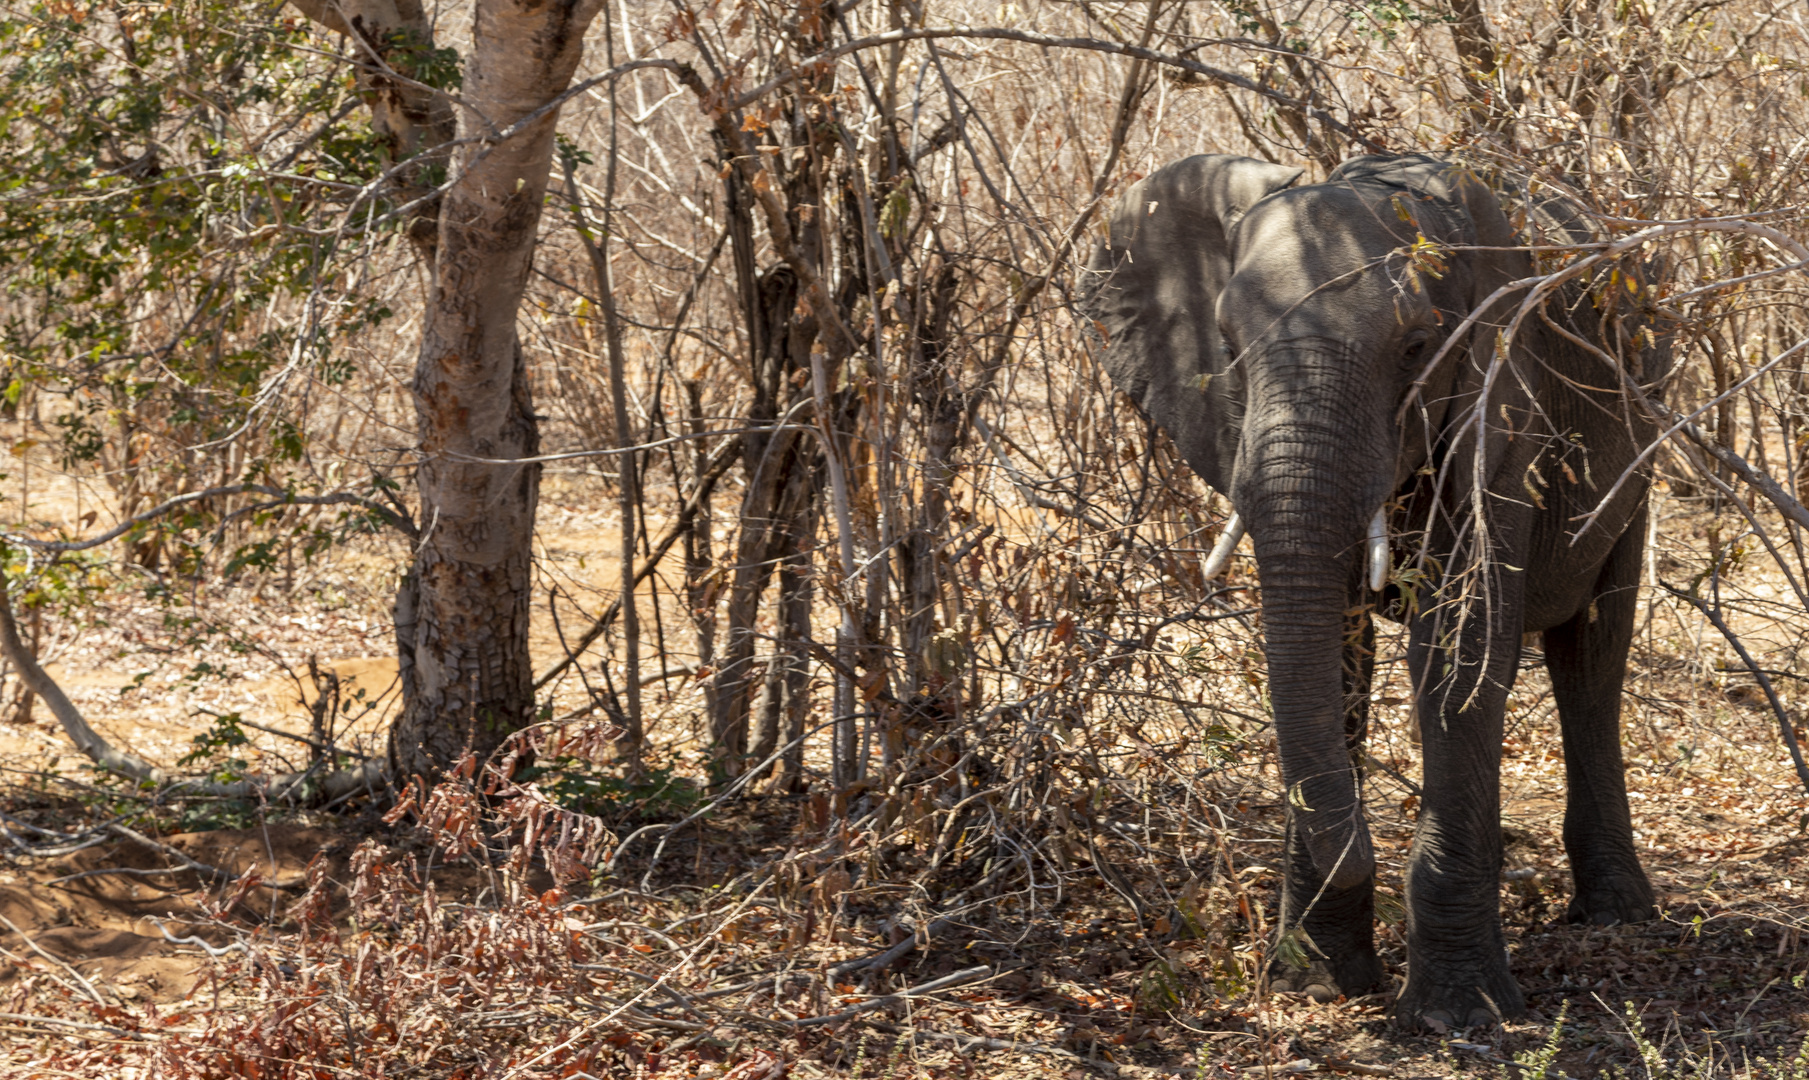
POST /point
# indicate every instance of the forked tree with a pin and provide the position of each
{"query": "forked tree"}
(462, 610)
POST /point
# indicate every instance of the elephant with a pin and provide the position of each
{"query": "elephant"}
(1305, 347)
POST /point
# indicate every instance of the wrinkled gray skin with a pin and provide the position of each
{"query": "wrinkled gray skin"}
(1274, 332)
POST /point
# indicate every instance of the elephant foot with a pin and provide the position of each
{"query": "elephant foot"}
(1610, 899)
(1484, 1000)
(1328, 980)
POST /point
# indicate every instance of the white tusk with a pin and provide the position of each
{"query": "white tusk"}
(1378, 551)
(1221, 551)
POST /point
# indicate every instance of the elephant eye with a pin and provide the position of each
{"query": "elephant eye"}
(1415, 351)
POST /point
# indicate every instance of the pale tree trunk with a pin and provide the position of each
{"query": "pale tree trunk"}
(462, 613)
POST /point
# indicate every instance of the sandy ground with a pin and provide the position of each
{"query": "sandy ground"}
(1720, 816)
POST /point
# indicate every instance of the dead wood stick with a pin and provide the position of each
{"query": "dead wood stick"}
(74, 725)
(283, 498)
(1358, 1067)
(650, 1019)
(72, 842)
(119, 871)
(875, 961)
(718, 463)
(972, 974)
(683, 1002)
(325, 748)
(197, 941)
(885, 959)
(213, 873)
(56, 1021)
(1768, 487)
(39, 829)
(751, 984)
(35, 947)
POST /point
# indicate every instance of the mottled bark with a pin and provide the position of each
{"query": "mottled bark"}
(462, 618)
(397, 67)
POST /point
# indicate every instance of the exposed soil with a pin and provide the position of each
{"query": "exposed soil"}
(110, 927)
(749, 895)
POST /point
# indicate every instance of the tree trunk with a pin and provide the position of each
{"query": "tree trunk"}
(782, 341)
(462, 613)
(754, 547)
(1487, 108)
(411, 119)
(700, 560)
(785, 698)
(938, 400)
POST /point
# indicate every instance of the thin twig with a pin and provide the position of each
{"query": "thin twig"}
(118, 871)
(286, 498)
(325, 748)
(883, 960)
(959, 978)
(76, 1025)
(718, 463)
(966, 1044)
(1771, 695)
(192, 939)
(213, 873)
(86, 985)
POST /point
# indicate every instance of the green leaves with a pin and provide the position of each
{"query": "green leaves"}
(441, 69)
(187, 207)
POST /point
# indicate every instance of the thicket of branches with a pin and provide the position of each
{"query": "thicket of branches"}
(802, 304)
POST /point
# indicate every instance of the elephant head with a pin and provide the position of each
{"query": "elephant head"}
(1275, 331)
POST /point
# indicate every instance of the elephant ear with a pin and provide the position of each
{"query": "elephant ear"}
(1151, 291)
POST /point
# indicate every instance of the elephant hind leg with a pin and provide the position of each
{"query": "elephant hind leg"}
(1587, 659)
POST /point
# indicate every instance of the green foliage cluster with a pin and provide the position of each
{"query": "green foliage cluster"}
(580, 785)
(177, 182)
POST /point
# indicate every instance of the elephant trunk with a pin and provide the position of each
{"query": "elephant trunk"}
(1309, 501)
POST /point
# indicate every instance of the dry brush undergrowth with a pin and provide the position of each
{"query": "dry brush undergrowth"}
(928, 691)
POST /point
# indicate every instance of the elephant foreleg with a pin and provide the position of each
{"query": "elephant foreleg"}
(1338, 924)
(1463, 657)
(1587, 658)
